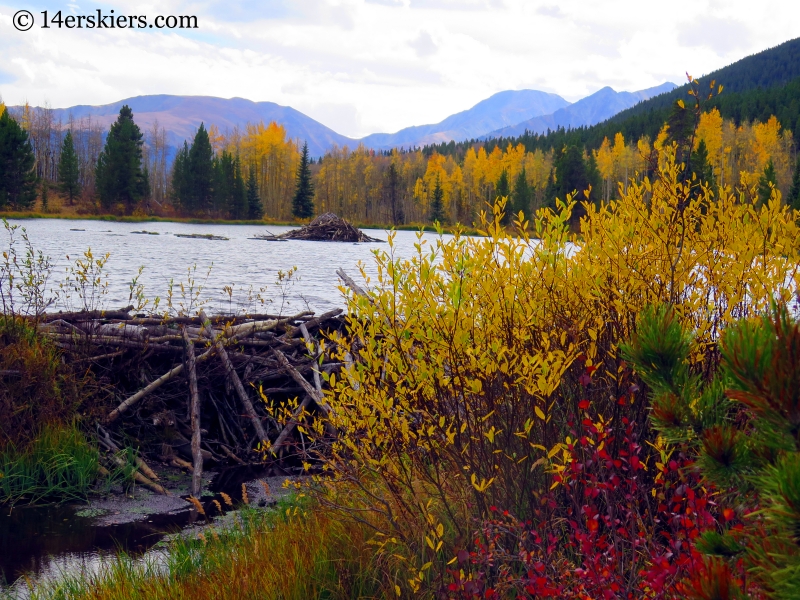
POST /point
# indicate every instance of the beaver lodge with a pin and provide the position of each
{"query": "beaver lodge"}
(325, 228)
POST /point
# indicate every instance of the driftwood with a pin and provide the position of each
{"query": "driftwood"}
(325, 228)
(176, 405)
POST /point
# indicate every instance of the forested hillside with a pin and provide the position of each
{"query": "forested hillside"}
(755, 87)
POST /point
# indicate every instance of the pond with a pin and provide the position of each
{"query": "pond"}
(244, 264)
(45, 543)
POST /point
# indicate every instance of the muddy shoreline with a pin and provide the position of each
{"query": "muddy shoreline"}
(38, 541)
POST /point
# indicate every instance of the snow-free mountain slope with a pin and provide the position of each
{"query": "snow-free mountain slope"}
(182, 115)
(593, 109)
(500, 110)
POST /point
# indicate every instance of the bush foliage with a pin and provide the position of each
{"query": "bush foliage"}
(491, 429)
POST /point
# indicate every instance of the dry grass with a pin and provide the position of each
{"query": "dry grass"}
(291, 553)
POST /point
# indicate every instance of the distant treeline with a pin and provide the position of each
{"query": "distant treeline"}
(258, 172)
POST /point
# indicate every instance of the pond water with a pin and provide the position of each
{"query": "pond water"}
(240, 262)
(44, 543)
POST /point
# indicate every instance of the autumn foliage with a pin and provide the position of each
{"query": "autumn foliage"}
(489, 428)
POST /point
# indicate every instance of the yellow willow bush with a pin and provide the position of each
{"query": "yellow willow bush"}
(466, 360)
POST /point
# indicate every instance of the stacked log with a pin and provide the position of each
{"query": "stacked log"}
(190, 389)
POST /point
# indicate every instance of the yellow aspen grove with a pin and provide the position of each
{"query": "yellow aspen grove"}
(368, 186)
(275, 159)
(709, 130)
(216, 139)
(605, 164)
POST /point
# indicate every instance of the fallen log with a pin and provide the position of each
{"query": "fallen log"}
(197, 457)
(122, 313)
(114, 414)
(237, 383)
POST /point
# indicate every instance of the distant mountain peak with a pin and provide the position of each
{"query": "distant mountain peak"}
(593, 109)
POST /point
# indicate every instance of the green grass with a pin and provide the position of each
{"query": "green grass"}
(59, 464)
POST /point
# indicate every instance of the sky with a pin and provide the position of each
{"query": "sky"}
(366, 66)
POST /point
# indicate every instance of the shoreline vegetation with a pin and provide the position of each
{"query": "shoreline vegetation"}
(601, 402)
(464, 230)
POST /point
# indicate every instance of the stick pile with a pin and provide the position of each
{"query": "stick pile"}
(328, 228)
(188, 387)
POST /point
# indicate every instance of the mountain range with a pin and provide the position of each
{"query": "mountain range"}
(182, 115)
(504, 114)
(598, 107)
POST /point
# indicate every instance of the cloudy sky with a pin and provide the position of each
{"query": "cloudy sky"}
(363, 66)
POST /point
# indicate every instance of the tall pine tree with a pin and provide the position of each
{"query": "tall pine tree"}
(201, 171)
(437, 203)
(502, 189)
(766, 182)
(68, 170)
(17, 177)
(303, 201)
(573, 173)
(521, 196)
(255, 210)
(392, 192)
(118, 175)
(230, 197)
(180, 191)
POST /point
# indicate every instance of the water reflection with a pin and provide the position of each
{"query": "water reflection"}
(48, 540)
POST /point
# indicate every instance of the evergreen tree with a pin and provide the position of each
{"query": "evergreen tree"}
(392, 192)
(17, 178)
(738, 425)
(201, 171)
(303, 201)
(794, 193)
(766, 182)
(230, 197)
(68, 170)
(437, 203)
(502, 189)
(522, 194)
(180, 190)
(681, 127)
(255, 210)
(118, 175)
(573, 174)
(239, 202)
(701, 168)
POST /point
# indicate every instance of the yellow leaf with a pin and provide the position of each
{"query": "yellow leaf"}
(681, 104)
(539, 412)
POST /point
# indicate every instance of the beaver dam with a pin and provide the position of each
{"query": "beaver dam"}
(190, 390)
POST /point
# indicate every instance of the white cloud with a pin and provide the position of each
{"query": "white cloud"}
(423, 44)
(362, 66)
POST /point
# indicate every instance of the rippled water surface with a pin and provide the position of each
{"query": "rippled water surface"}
(239, 262)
